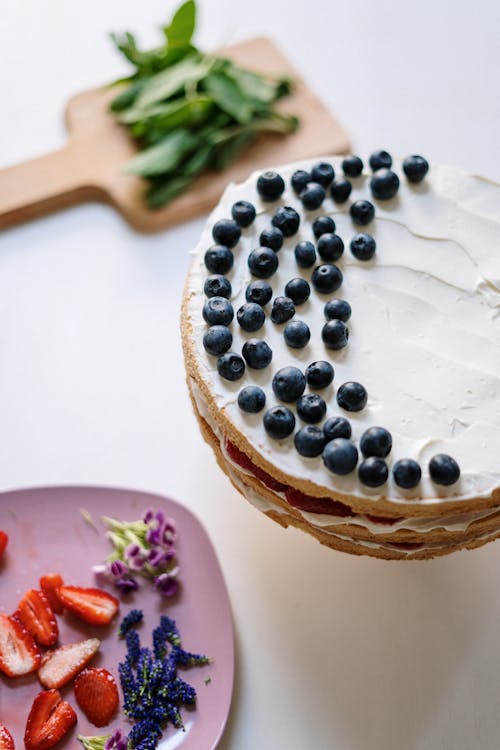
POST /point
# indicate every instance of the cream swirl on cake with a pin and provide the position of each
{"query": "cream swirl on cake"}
(424, 338)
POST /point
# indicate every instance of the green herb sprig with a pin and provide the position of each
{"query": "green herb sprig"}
(189, 111)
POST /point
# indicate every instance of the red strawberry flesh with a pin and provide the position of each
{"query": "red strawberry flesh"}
(19, 654)
(97, 695)
(36, 615)
(3, 543)
(94, 606)
(49, 720)
(50, 583)
(62, 664)
(6, 741)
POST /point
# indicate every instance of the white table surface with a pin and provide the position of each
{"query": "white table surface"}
(332, 651)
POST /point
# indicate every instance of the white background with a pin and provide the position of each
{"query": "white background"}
(332, 651)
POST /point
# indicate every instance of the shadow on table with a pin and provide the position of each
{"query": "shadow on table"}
(376, 645)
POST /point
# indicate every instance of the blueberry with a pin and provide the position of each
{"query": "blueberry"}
(219, 259)
(217, 286)
(362, 212)
(259, 292)
(415, 168)
(226, 232)
(407, 473)
(352, 396)
(330, 246)
(352, 166)
(309, 441)
(279, 422)
(384, 184)
(298, 290)
(335, 334)
(337, 309)
(271, 237)
(297, 334)
(376, 441)
(380, 160)
(257, 353)
(218, 311)
(283, 309)
(231, 366)
(322, 173)
(340, 190)
(340, 456)
(311, 408)
(312, 196)
(287, 220)
(243, 213)
(289, 384)
(217, 340)
(299, 180)
(263, 262)
(327, 278)
(363, 246)
(323, 225)
(337, 427)
(373, 472)
(251, 399)
(444, 469)
(270, 186)
(251, 317)
(319, 374)
(305, 254)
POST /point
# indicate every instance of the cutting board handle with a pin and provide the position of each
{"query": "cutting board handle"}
(47, 183)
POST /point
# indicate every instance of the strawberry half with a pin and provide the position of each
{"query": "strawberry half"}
(49, 584)
(49, 720)
(19, 653)
(3, 543)
(60, 665)
(36, 615)
(94, 606)
(97, 695)
(6, 741)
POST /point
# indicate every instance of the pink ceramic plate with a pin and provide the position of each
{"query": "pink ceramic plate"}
(49, 534)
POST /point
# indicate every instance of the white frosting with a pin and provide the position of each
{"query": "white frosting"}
(424, 333)
(457, 522)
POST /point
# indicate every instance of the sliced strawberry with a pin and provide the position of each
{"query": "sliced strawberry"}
(94, 606)
(6, 741)
(60, 665)
(49, 720)
(3, 543)
(49, 584)
(36, 615)
(19, 653)
(97, 695)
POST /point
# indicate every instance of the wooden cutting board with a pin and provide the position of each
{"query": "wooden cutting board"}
(89, 167)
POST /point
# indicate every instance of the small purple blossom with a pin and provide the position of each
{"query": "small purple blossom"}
(149, 514)
(127, 585)
(117, 741)
(118, 568)
(158, 558)
(166, 584)
(153, 536)
(133, 550)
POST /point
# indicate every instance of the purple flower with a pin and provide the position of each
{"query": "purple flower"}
(153, 536)
(118, 568)
(166, 584)
(132, 551)
(149, 514)
(157, 558)
(160, 517)
(127, 585)
(116, 742)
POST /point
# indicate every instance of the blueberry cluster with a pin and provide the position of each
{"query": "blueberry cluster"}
(333, 439)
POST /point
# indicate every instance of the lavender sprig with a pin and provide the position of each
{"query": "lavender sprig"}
(143, 548)
(152, 690)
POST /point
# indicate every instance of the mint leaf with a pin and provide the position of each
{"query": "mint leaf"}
(181, 28)
(164, 156)
(229, 96)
